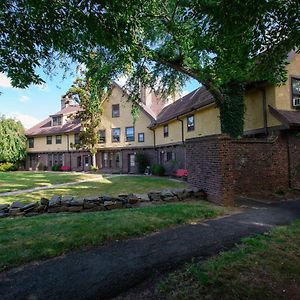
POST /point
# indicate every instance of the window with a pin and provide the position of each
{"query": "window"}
(86, 160)
(190, 123)
(56, 120)
(102, 136)
(76, 139)
(115, 110)
(79, 161)
(49, 140)
(141, 137)
(115, 135)
(58, 139)
(166, 130)
(129, 134)
(132, 160)
(118, 160)
(31, 143)
(169, 156)
(58, 159)
(50, 162)
(295, 92)
(105, 159)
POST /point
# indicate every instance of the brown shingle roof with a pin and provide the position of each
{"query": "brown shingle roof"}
(290, 118)
(45, 128)
(192, 101)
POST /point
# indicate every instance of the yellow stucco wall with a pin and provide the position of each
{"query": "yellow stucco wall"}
(174, 133)
(283, 92)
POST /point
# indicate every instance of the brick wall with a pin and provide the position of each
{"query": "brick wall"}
(294, 156)
(224, 167)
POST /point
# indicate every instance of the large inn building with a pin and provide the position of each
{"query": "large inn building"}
(166, 132)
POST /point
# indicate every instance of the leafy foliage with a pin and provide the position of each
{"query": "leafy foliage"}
(161, 44)
(8, 166)
(142, 162)
(158, 170)
(12, 140)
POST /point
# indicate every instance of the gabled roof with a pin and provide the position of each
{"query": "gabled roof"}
(289, 118)
(45, 128)
(192, 101)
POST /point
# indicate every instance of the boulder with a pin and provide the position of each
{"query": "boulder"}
(17, 204)
(66, 200)
(166, 194)
(15, 212)
(89, 205)
(4, 207)
(200, 194)
(29, 207)
(154, 196)
(170, 199)
(180, 193)
(44, 201)
(31, 214)
(143, 197)
(112, 205)
(75, 208)
(57, 209)
(106, 198)
(40, 208)
(54, 201)
(190, 192)
(3, 214)
(76, 202)
(133, 199)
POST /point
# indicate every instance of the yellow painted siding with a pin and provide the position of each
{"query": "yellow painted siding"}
(283, 92)
(174, 133)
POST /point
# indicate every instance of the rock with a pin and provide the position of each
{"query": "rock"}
(4, 207)
(132, 199)
(190, 192)
(154, 196)
(145, 204)
(106, 198)
(31, 214)
(44, 201)
(29, 207)
(112, 205)
(179, 193)
(166, 194)
(40, 208)
(92, 201)
(143, 197)
(17, 204)
(123, 196)
(66, 200)
(200, 194)
(15, 212)
(57, 209)
(76, 202)
(3, 214)
(170, 199)
(54, 201)
(89, 205)
(75, 208)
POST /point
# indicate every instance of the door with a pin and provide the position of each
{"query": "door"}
(86, 162)
(131, 163)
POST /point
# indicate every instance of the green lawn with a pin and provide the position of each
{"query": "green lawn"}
(103, 186)
(27, 239)
(263, 267)
(12, 181)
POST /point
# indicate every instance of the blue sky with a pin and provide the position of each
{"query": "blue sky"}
(36, 103)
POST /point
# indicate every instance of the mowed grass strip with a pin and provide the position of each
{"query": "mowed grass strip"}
(26, 239)
(262, 267)
(103, 186)
(13, 181)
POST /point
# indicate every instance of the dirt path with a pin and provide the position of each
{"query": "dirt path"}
(104, 272)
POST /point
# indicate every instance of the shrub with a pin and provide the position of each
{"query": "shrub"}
(94, 168)
(65, 168)
(55, 168)
(157, 170)
(142, 162)
(7, 166)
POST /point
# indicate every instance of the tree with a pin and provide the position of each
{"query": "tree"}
(222, 44)
(90, 96)
(12, 140)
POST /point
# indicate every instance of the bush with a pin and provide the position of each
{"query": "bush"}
(158, 170)
(7, 166)
(55, 168)
(142, 162)
(94, 168)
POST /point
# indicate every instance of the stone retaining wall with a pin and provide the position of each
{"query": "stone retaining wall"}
(98, 203)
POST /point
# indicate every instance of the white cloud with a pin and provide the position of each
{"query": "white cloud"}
(27, 120)
(121, 80)
(24, 98)
(5, 81)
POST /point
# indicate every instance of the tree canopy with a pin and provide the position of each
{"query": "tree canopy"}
(223, 44)
(12, 140)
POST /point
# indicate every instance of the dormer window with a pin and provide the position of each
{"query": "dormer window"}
(115, 110)
(56, 120)
(296, 92)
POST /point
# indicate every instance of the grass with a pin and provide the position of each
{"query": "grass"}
(26, 239)
(12, 181)
(262, 267)
(112, 186)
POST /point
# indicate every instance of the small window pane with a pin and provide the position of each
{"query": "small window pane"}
(115, 110)
(58, 139)
(190, 123)
(102, 136)
(166, 130)
(129, 133)
(49, 140)
(56, 121)
(296, 86)
(141, 137)
(76, 139)
(115, 135)
(31, 142)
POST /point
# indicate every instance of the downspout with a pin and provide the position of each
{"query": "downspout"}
(182, 130)
(265, 113)
(154, 144)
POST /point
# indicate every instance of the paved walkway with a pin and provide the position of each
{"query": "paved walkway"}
(54, 186)
(103, 272)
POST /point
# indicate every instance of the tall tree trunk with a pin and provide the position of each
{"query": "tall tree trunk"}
(94, 160)
(232, 109)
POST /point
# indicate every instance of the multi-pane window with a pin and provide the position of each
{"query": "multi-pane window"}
(58, 139)
(76, 139)
(50, 161)
(58, 159)
(102, 136)
(115, 135)
(115, 110)
(169, 156)
(166, 130)
(129, 134)
(296, 92)
(118, 160)
(30, 142)
(190, 123)
(141, 137)
(56, 120)
(49, 140)
(105, 160)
